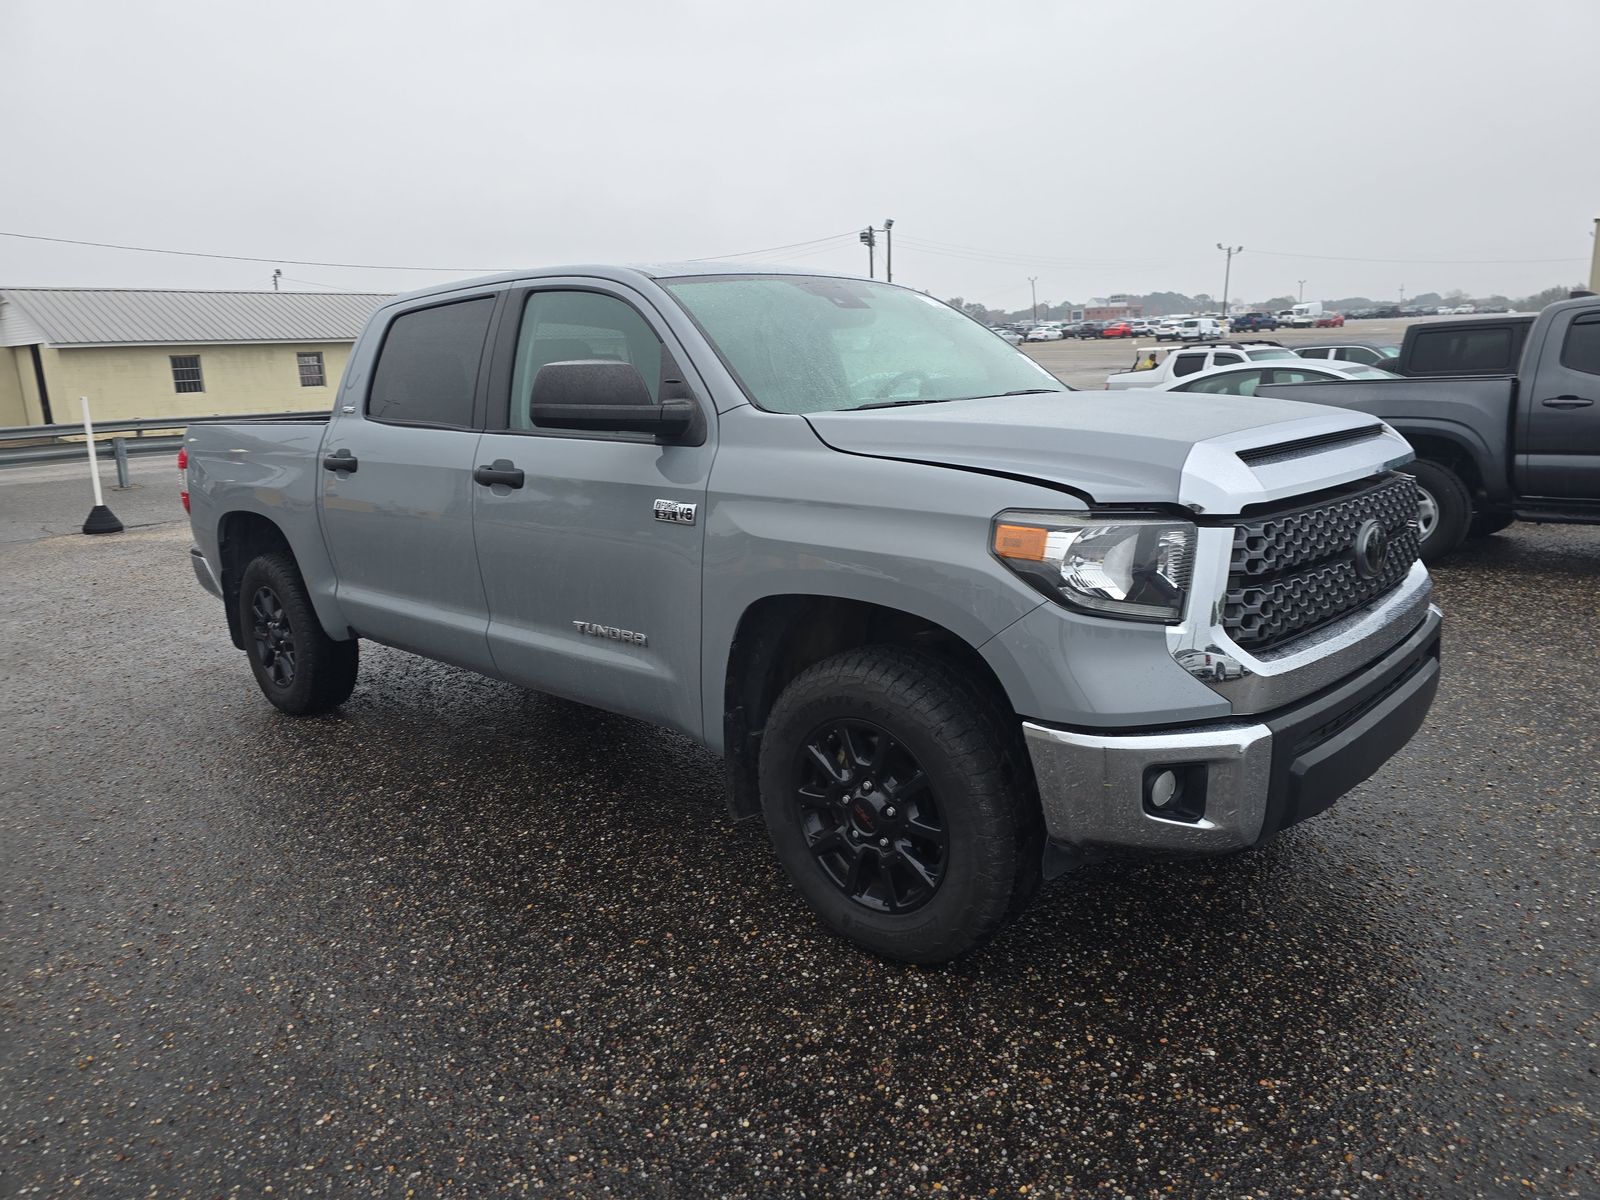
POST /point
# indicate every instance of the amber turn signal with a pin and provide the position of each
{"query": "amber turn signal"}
(1020, 541)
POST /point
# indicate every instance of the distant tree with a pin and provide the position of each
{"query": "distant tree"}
(1456, 296)
(1278, 303)
(1550, 295)
(1427, 300)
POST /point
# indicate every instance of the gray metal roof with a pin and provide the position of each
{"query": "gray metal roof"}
(138, 317)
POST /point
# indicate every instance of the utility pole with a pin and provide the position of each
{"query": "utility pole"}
(1402, 293)
(1033, 287)
(869, 239)
(1227, 274)
(888, 249)
(1302, 291)
(277, 273)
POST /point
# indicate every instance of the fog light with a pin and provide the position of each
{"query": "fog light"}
(1163, 789)
(1176, 792)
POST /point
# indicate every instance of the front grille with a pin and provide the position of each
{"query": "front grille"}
(1295, 571)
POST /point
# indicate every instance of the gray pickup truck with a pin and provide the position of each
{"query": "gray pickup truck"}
(952, 626)
(1518, 440)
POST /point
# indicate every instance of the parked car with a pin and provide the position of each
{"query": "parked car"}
(1143, 326)
(935, 611)
(1116, 329)
(1088, 329)
(1370, 354)
(1253, 322)
(1199, 329)
(1156, 365)
(1491, 449)
(1167, 328)
(1304, 316)
(1044, 333)
(1461, 310)
(1009, 335)
(1244, 381)
(1329, 321)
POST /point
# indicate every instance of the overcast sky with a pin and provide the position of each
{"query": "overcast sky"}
(1098, 146)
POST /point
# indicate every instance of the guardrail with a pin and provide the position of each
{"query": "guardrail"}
(21, 445)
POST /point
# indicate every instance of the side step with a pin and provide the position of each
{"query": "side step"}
(1556, 510)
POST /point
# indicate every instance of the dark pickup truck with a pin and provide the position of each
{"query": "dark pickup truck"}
(1495, 447)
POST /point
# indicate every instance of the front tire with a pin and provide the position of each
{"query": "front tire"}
(900, 803)
(1445, 508)
(298, 667)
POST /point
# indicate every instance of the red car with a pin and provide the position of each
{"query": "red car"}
(1330, 321)
(1117, 329)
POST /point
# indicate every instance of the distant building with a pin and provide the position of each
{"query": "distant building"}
(1117, 311)
(147, 353)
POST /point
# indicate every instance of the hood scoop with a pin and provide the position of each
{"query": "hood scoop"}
(1260, 456)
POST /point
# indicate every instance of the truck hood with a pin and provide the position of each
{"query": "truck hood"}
(1214, 454)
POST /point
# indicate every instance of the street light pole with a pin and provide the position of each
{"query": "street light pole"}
(1302, 291)
(869, 239)
(1033, 287)
(1227, 274)
(888, 249)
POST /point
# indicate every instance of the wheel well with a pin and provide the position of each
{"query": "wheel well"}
(1456, 457)
(242, 537)
(780, 636)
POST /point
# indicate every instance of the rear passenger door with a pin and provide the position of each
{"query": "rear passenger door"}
(397, 518)
(1560, 404)
(593, 585)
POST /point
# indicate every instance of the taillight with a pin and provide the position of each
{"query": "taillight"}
(183, 476)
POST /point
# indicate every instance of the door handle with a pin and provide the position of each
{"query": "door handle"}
(340, 460)
(502, 471)
(1567, 402)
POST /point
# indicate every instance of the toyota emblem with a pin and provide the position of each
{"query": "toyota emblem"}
(1372, 549)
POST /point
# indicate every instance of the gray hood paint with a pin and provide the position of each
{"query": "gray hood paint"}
(1125, 447)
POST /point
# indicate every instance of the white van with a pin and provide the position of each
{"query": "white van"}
(1199, 329)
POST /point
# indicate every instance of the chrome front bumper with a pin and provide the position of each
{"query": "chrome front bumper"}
(202, 572)
(1259, 775)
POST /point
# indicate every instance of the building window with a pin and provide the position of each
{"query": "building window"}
(186, 373)
(311, 372)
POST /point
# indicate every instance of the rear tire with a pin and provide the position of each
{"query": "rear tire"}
(298, 667)
(1446, 508)
(901, 804)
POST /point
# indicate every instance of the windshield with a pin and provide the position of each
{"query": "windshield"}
(802, 344)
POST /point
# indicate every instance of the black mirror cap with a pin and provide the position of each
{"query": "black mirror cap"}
(596, 381)
(605, 396)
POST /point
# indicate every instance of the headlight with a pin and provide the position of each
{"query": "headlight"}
(1137, 568)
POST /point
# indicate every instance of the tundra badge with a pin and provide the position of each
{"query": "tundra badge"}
(675, 513)
(595, 629)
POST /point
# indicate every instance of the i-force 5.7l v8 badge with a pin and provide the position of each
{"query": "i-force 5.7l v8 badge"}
(675, 512)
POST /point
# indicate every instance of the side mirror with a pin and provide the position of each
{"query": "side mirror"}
(605, 396)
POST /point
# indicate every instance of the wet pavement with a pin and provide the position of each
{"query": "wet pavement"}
(460, 940)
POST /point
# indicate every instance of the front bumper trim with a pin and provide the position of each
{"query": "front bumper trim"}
(1262, 775)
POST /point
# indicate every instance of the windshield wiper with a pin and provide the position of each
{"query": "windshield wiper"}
(1032, 392)
(903, 403)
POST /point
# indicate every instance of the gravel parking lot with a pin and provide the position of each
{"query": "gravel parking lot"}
(460, 940)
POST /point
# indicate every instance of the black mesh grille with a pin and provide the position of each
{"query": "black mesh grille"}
(1296, 571)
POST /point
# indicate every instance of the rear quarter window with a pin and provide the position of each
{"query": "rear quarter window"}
(1468, 351)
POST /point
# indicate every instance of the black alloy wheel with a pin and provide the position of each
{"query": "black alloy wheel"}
(274, 637)
(870, 817)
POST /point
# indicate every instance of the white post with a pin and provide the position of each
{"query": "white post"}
(100, 519)
(94, 464)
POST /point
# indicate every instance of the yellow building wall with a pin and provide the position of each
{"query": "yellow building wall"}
(125, 382)
(13, 401)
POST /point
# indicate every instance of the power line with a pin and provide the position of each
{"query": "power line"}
(293, 262)
(768, 250)
(1443, 262)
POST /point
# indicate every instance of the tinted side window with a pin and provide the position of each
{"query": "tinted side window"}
(1315, 353)
(1232, 383)
(565, 326)
(1580, 349)
(1188, 364)
(428, 367)
(1482, 351)
(1226, 360)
